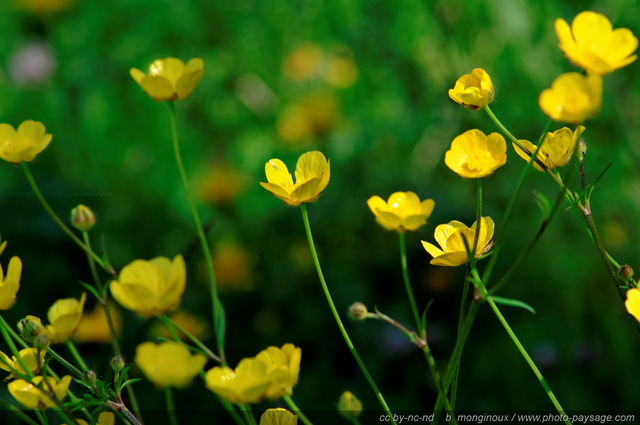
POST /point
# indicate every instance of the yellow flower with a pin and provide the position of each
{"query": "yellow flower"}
(3, 245)
(572, 98)
(592, 44)
(24, 144)
(283, 367)
(451, 238)
(473, 91)
(105, 418)
(10, 284)
(349, 406)
(278, 416)
(168, 364)
(32, 397)
(170, 78)
(474, 154)
(312, 176)
(632, 303)
(151, 287)
(403, 211)
(32, 357)
(94, 327)
(193, 324)
(556, 149)
(44, 6)
(64, 317)
(272, 373)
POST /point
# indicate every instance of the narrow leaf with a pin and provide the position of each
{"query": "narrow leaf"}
(543, 204)
(512, 303)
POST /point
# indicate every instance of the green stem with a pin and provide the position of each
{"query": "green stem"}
(60, 223)
(524, 354)
(218, 312)
(65, 363)
(74, 352)
(436, 378)
(246, 411)
(294, 408)
(14, 350)
(336, 316)
(20, 413)
(169, 324)
(41, 416)
(171, 407)
(92, 263)
(407, 282)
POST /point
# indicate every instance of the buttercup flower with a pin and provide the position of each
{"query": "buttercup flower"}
(32, 357)
(572, 98)
(632, 303)
(23, 144)
(170, 78)
(451, 238)
(272, 373)
(402, 211)
(64, 317)
(312, 176)
(473, 91)
(556, 149)
(592, 44)
(31, 397)
(105, 418)
(168, 364)
(10, 284)
(151, 287)
(278, 416)
(474, 154)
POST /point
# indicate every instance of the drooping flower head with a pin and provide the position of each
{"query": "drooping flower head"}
(10, 284)
(312, 176)
(402, 211)
(168, 364)
(23, 144)
(556, 149)
(632, 303)
(474, 154)
(170, 78)
(474, 90)
(64, 317)
(572, 98)
(32, 397)
(452, 236)
(592, 44)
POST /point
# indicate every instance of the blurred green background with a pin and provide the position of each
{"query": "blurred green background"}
(365, 82)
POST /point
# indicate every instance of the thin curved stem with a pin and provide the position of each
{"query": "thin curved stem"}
(295, 409)
(336, 316)
(407, 282)
(168, 323)
(171, 407)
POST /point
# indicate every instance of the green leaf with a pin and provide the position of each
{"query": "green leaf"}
(129, 382)
(91, 289)
(512, 303)
(221, 324)
(423, 320)
(543, 204)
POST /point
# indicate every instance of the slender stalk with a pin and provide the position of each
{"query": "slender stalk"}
(65, 363)
(74, 352)
(170, 323)
(14, 350)
(60, 223)
(245, 409)
(41, 416)
(436, 378)
(8, 406)
(336, 316)
(407, 282)
(171, 407)
(295, 409)
(218, 312)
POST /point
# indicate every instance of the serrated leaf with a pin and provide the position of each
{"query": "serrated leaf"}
(512, 303)
(543, 204)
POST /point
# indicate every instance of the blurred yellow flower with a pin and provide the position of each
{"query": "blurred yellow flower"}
(312, 116)
(474, 154)
(402, 211)
(451, 238)
(278, 416)
(24, 144)
(233, 265)
(303, 62)
(556, 149)
(151, 287)
(64, 317)
(31, 397)
(592, 44)
(473, 91)
(169, 364)
(32, 357)
(105, 418)
(10, 284)
(170, 78)
(44, 6)
(272, 373)
(632, 303)
(195, 325)
(349, 406)
(220, 183)
(312, 176)
(3, 245)
(572, 98)
(283, 368)
(94, 327)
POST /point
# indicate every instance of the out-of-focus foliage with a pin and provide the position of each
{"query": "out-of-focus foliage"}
(366, 83)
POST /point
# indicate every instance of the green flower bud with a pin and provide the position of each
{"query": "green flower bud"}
(30, 328)
(82, 218)
(117, 363)
(349, 406)
(358, 311)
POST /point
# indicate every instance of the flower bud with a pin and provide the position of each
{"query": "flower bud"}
(90, 378)
(358, 311)
(349, 406)
(41, 342)
(625, 271)
(82, 218)
(117, 363)
(30, 328)
(582, 150)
